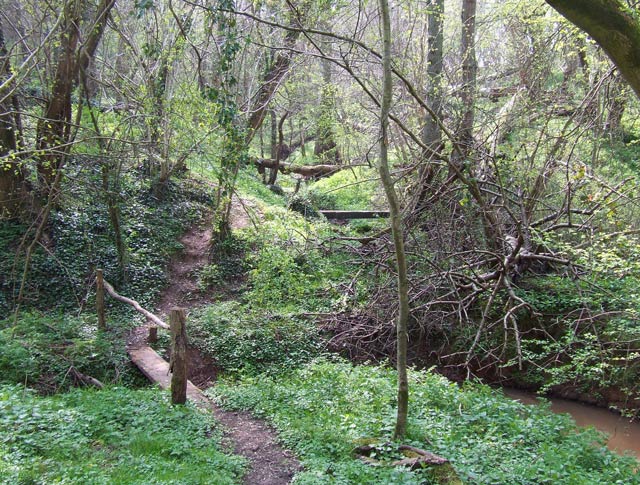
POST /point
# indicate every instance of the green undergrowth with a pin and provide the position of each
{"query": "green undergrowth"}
(353, 189)
(112, 436)
(293, 267)
(79, 239)
(326, 408)
(247, 340)
(250, 185)
(593, 320)
(47, 352)
(290, 276)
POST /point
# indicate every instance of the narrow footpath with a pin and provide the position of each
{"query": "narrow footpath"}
(268, 462)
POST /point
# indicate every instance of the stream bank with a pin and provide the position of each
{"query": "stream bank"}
(624, 434)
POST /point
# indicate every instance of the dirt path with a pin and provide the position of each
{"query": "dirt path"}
(183, 280)
(269, 463)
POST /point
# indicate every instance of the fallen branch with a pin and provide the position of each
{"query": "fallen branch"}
(308, 171)
(346, 215)
(135, 305)
(85, 379)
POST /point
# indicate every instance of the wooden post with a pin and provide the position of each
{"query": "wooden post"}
(153, 335)
(102, 323)
(177, 321)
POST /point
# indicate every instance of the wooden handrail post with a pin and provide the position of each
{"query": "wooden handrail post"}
(178, 367)
(153, 334)
(102, 322)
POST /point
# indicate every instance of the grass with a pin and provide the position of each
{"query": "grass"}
(354, 189)
(326, 408)
(113, 436)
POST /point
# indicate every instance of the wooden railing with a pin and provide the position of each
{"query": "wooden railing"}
(102, 284)
(177, 328)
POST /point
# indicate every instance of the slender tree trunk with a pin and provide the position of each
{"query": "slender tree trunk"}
(616, 102)
(109, 194)
(161, 130)
(326, 148)
(278, 150)
(396, 228)
(114, 216)
(274, 146)
(431, 133)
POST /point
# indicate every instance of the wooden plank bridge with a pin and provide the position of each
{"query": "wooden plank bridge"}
(345, 215)
(156, 369)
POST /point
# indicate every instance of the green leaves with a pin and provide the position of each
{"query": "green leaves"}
(328, 407)
(110, 436)
(242, 339)
(141, 7)
(42, 351)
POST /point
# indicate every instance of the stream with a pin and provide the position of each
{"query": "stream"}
(624, 435)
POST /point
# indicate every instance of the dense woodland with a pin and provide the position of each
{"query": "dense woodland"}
(188, 149)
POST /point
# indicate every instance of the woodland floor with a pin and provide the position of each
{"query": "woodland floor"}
(268, 462)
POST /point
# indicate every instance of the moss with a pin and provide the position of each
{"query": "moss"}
(445, 474)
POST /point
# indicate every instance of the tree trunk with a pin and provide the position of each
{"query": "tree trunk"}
(274, 147)
(53, 134)
(614, 26)
(396, 228)
(54, 129)
(431, 133)
(616, 102)
(162, 133)
(469, 74)
(326, 148)
(86, 56)
(273, 78)
(278, 151)
(11, 172)
(114, 216)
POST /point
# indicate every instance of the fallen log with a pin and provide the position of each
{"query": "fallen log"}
(420, 457)
(135, 305)
(415, 458)
(307, 171)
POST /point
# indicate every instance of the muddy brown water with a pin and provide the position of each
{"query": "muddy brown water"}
(624, 435)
